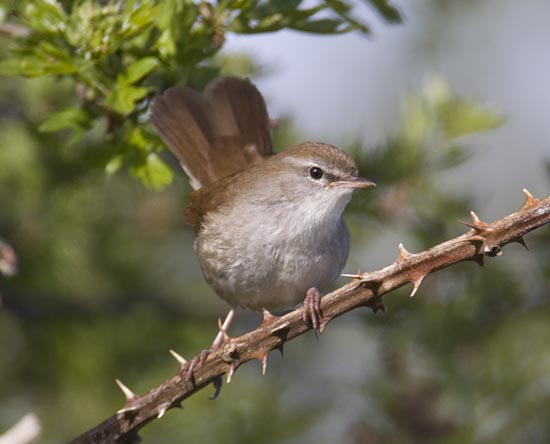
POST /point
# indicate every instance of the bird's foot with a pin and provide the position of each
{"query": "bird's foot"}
(196, 362)
(312, 314)
(200, 359)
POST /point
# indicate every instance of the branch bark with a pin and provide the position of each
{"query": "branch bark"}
(366, 289)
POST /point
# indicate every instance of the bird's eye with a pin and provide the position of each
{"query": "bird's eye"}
(315, 173)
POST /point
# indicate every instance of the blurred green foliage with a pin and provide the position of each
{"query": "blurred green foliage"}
(108, 281)
(118, 53)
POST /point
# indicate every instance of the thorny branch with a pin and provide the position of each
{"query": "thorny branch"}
(366, 289)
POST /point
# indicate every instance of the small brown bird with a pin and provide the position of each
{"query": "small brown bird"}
(269, 227)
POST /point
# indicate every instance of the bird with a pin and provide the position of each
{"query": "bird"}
(269, 227)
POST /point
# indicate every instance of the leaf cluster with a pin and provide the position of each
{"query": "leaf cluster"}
(120, 53)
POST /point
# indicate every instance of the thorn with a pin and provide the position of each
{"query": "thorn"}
(528, 195)
(230, 374)
(376, 304)
(417, 282)
(279, 328)
(182, 361)
(352, 276)
(529, 199)
(127, 409)
(127, 392)
(521, 241)
(268, 318)
(222, 336)
(223, 331)
(403, 254)
(280, 347)
(479, 259)
(468, 224)
(263, 360)
(477, 224)
(162, 410)
(231, 371)
(475, 219)
(267, 315)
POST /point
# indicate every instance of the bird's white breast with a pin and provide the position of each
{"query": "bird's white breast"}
(275, 253)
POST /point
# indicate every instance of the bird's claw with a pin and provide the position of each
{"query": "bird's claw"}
(200, 359)
(197, 361)
(312, 314)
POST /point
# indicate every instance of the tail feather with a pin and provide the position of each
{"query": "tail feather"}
(239, 105)
(217, 134)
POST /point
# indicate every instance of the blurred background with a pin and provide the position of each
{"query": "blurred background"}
(446, 111)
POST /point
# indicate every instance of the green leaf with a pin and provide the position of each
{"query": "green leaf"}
(343, 9)
(321, 26)
(32, 66)
(142, 16)
(338, 6)
(114, 164)
(154, 173)
(302, 14)
(44, 15)
(123, 98)
(390, 13)
(271, 23)
(166, 43)
(460, 118)
(75, 118)
(139, 69)
(282, 6)
(137, 137)
(165, 14)
(240, 25)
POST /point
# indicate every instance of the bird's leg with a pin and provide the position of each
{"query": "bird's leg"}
(201, 357)
(312, 314)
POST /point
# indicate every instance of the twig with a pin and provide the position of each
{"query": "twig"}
(366, 289)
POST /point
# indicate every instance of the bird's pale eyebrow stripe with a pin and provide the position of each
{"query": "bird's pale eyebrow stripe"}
(298, 162)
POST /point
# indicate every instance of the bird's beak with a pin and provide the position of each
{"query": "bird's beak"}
(354, 182)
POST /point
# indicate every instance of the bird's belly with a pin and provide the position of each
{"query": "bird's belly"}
(270, 272)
